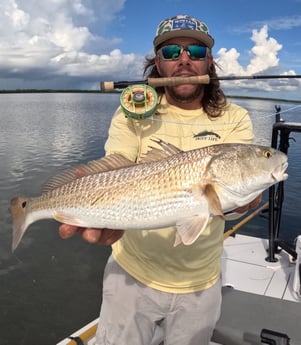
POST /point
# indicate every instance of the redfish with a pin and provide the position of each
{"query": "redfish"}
(169, 187)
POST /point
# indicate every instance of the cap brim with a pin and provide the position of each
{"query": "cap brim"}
(201, 36)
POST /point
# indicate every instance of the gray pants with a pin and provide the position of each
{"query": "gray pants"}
(131, 311)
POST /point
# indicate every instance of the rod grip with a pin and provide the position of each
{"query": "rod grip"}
(107, 86)
(173, 81)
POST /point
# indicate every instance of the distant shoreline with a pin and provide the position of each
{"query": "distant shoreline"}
(266, 98)
(116, 91)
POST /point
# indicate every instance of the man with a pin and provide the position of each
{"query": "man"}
(147, 280)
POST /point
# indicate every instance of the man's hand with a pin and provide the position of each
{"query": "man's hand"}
(98, 236)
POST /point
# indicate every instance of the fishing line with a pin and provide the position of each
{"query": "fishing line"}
(220, 124)
(290, 109)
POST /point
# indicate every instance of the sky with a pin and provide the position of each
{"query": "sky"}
(75, 44)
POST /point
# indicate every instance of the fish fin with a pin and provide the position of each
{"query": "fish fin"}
(214, 203)
(18, 212)
(189, 229)
(64, 217)
(208, 191)
(110, 162)
(167, 147)
(155, 153)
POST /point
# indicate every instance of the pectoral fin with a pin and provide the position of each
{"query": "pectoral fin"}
(208, 192)
(189, 229)
(214, 203)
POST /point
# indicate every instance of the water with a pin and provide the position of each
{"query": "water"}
(50, 287)
(263, 119)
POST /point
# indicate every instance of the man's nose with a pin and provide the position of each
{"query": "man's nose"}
(184, 58)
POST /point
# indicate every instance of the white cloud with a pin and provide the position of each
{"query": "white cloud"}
(264, 52)
(64, 43)
(228, 61)
(79, 64)
(16, 17)
(40, 41)
(263, 60)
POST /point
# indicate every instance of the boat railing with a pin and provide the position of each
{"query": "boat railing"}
(280, 140)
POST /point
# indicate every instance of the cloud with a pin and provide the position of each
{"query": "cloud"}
(67, 44)
(283, 23)
(264, 52)
(264, 60)
(46, 43)
(80, 64)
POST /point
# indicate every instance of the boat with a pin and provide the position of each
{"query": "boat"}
(261, 277)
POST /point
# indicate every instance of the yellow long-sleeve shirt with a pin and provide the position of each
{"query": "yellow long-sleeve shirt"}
(150, 255)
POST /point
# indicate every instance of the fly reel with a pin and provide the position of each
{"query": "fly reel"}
(139, 101)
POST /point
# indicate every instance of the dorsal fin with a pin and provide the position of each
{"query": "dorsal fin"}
(111, 162)
(155, 154)
(168, 148)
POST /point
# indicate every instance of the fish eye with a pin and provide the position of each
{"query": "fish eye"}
(267, 154)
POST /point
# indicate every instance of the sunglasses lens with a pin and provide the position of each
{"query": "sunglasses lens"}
(171, 52)
(197, 52)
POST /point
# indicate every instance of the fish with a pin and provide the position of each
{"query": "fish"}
(168, 187)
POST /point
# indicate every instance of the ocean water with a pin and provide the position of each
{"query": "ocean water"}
(50, 287)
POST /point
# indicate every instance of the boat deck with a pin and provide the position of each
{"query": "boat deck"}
(244, 268)
(257, 295)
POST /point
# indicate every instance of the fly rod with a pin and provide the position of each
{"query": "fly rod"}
(245, 220)
(173, 81)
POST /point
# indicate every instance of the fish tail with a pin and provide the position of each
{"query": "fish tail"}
(18, 212)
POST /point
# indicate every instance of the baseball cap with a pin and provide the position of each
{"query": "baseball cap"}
(183, 26)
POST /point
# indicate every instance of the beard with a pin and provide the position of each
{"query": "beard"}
(185, 98)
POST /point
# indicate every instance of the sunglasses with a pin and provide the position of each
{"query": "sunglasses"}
(173, 52)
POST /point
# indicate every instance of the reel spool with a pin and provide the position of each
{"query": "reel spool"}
(139, 101)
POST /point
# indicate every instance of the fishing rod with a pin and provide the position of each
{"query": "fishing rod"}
(173, 81)
(139, 98)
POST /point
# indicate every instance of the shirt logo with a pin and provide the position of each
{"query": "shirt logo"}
(207, 135)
